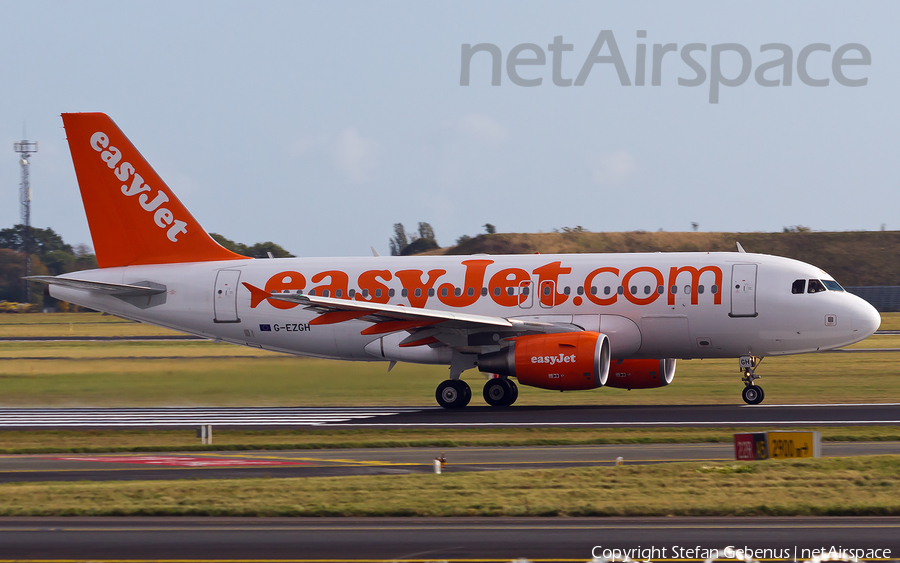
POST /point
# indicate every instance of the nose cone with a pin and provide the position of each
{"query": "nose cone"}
(866, 320)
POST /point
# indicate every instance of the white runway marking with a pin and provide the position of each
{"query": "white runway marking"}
(192, 416)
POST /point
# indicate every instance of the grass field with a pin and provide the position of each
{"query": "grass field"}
(206, 373)
(832, 487)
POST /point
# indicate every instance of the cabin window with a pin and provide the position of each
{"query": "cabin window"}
(497, 291)
(457, 291)
(646, 290)
(351, 293)
(510, 291)
(338, 293)
(580, 290)
(418, 292)
(700, 289)
(833, 285)
(634, 290)
(431, 292)
(546, 290)
(815, 286)
(674, 289)
(687, 289)
(312, 292)
(471, 292)
(620, 290)
(714, 289)
(391, 292)
(526, 290)
(325, 293)
(484, 292)
(799, 286)
(378, 292)
(443, 292)
(404, 292)
(566, 290)
(660, 290)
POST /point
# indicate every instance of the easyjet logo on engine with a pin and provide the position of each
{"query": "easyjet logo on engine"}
(553, 360)
(162, 216)
(507, 287)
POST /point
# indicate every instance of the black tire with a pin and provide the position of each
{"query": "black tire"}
(515, 392)
(753, 394)
(467, 391)
(452, 394)
(498, 392)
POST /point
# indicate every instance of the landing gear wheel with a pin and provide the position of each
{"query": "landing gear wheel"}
(500, 392)
(453, 394)
(753, 394)
(467, 391)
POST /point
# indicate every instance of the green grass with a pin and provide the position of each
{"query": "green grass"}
(93, 441)
(867, 486)
(205, 373)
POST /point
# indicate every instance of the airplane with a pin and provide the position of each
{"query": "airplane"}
(564, 322)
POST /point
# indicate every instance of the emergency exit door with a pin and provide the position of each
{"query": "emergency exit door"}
(743, 290)
(225, 297)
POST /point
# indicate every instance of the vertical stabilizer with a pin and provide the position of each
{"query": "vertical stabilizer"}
(133, 215)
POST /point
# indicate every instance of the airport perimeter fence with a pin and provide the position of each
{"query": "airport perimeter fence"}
(885, 298)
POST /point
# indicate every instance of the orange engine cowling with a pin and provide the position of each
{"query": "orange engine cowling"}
(564, 361)
(641, 374)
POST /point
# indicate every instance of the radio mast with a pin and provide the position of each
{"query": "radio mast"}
(26, 149)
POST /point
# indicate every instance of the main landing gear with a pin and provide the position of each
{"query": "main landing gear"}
(752, 394)
(500, 392)
(453, 394)
(456, 393)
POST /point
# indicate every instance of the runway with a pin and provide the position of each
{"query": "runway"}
(213, 540)
(745, 416)
(370, 461)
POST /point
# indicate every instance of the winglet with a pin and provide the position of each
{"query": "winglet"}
(739, 247)
(133, 215)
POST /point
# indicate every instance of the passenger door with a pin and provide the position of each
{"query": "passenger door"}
(225, 296)
(743, 290)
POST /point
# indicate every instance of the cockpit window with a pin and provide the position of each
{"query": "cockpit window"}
(833, 285)
(798, 286)
(815, 286)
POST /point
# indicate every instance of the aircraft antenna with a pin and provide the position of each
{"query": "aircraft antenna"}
(25, 150)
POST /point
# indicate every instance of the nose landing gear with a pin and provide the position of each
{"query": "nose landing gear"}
(752, 394)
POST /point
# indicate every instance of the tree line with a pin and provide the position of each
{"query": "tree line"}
(50, 255)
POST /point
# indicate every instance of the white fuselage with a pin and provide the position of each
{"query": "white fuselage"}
(660, 305)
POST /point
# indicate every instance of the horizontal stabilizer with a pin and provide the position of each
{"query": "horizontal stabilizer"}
(114, 289)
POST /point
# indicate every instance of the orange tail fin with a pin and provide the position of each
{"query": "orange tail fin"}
(133, 215)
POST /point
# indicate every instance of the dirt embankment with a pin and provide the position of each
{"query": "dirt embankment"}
(853, 258)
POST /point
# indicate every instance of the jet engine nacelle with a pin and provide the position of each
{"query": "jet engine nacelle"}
(641, 374)
(564, 361)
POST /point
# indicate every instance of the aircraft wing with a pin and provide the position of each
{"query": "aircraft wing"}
(115, 289)
(394, 318)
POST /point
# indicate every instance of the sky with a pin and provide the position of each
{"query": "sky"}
(318, 125)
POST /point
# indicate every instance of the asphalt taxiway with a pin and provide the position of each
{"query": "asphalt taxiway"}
(369, 461)
(213, 540)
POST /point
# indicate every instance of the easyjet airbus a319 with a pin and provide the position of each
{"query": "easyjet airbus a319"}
(564, 322)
